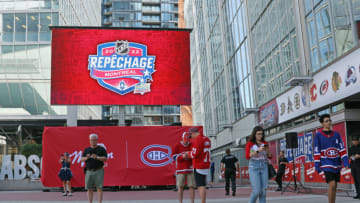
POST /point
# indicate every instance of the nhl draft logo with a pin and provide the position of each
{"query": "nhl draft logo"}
(122, 67)
(156, 155)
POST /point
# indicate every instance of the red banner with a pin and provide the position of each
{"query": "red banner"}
(120, 66)
(244, 171)
(312, 176)
(136, 155)
(288, 175)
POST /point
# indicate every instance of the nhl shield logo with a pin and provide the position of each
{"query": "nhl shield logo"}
(122, 47)
(122, 67)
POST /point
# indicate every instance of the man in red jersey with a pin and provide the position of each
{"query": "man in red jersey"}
(183, 167)
(200, 155)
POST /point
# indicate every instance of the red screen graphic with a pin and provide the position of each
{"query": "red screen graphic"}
(92, 66)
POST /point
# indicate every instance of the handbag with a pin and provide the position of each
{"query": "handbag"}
(271, 171)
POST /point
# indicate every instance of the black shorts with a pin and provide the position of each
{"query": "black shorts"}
(329, 176)
(200, 179)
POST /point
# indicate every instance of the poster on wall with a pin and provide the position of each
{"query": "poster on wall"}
(304, 152)
(99, 66)
(268, 114)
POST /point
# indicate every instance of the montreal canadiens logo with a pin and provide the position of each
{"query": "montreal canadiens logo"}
(122, 67)
(332, 153)
(156, 155)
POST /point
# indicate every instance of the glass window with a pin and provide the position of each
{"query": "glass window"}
(46, 4)
(325, 111)
(171, 109)
(20, 27)
(6, 49)
(236, 33)
(324, 52)
(152, 120)
(55, 4)
(323, 23)
(355, 6)
(32, 26)
(135, 6)
(240, 22)
(121, 5)
(314, 59)
(45, 22)
(308, 5)
(152, 109)
(8, 27)
(337, 107)
(239, 65)
(171, 119)
(55, 19)
(133, 109)
(309, 117)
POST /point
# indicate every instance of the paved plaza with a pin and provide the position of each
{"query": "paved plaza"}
(215, 195)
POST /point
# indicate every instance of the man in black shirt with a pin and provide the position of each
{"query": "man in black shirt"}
(94, 157)
(230, 171)
(354, 154)
(282, 164)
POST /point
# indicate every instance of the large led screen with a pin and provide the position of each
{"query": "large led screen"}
(93, 66)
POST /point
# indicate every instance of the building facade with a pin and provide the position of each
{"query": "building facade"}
(287, 61)
(221, 74)
(144, 14)
(140, 13)
(25, 64)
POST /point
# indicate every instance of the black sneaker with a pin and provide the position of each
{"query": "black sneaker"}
(233, 194)
(279, 189)
(227, 193)
(357, 197)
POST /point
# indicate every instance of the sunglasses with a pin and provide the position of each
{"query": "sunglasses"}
(327, 121)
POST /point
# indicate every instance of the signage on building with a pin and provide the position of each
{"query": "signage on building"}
(268, 114)
(332, 84)
(292, 104)
(134, 153)
(120, 67)
(17, 170)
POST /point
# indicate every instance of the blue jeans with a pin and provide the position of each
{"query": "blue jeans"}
(258, 172)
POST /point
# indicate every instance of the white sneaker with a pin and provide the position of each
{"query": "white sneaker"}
(64, 194)
(70, 194)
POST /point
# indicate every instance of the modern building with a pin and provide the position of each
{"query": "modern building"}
(221, 73)
(145, 14)
(140, 13)
(275, 63)
(25, 63)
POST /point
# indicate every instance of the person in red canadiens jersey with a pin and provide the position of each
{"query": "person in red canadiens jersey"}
(329, 152)
(200, 155)
(257, 152)
(183, 167)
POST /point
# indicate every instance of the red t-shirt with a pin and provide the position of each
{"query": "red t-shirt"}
(250, 147)
(182, 165)
(200, 152)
